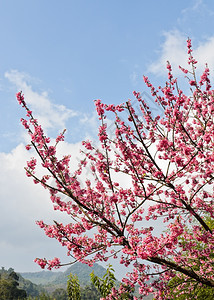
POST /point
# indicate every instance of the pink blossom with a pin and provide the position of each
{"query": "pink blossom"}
(147, 170)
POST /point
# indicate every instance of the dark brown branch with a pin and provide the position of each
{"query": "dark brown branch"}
(189, 273)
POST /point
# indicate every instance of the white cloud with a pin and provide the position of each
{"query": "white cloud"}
(53, 117)
(22, 203)
(204, 53)
(199, 7)
(90, 123)
(174, 50)
(193, 7)
(50, 115)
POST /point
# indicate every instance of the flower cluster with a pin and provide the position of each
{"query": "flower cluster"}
(54, 263)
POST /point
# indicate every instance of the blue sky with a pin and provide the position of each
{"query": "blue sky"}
(63, 55)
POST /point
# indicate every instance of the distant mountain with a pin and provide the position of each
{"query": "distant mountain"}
(42, 277)
(59, 279)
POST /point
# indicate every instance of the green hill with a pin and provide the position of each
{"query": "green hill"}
(13, 285)
(59, 279)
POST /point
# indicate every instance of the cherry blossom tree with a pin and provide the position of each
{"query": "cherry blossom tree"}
(150, 188)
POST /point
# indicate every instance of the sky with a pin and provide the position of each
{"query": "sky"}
(63, 55)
